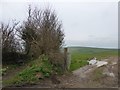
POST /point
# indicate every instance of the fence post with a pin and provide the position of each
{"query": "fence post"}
(67, 59)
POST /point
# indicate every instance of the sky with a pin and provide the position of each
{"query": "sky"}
(86, 23)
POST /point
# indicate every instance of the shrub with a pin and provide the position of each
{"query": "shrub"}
(57, 60)
(42, 32)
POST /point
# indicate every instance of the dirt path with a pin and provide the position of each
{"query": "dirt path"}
(12, 72)
(91, 76)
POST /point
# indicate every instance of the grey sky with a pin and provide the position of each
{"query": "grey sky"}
(85, 23)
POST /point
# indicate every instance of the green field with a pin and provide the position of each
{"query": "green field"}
(80, 55)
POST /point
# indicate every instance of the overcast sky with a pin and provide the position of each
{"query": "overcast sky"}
(92, 24)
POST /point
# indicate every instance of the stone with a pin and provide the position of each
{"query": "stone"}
(111, 74)
(101, 63)
(93, 61)
(114, 63)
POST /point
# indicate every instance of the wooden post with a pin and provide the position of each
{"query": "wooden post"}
(67, 59)
(65, 50)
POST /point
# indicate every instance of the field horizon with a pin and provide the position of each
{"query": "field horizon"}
(93, 47)
(81, 55)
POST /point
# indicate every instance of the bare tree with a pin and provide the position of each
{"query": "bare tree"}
(10, 44)
(52, 33)
(8, 37)
(42, 32)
